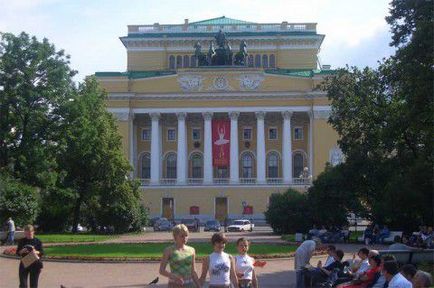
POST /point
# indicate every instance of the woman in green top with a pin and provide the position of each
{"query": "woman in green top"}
(180, 258)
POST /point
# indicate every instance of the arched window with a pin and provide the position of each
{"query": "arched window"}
(171, 166)
(265, 61)
(250, 61)
(146, 166)
(179, 61)
(272, 61)
(298, 163)
(186, 61)
(247, 165)
(258, 61)
(196, 165)
(193, 61)
(273, 165)
(172, 62)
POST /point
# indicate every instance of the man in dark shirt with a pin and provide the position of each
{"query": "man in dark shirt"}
(320, 274)
(25, 246)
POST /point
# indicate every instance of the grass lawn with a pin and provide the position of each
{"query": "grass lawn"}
(155, 250)
(69, 237)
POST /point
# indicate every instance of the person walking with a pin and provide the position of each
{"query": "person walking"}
(30, 244)
(11, 231)
(181, 259)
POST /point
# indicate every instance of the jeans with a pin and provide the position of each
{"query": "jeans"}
(11, 237)
(24, 273)
(299, 276)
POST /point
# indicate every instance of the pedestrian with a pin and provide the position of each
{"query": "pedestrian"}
(11, 231)
(30, 244)
(180, 258)
(221, 265)
(302, 258)
(244, 266)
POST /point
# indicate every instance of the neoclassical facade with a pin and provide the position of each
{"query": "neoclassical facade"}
(217, 141)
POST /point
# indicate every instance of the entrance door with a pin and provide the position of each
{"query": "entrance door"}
(221, 208)
(168, 208)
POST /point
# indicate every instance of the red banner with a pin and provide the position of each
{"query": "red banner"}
(221, 134)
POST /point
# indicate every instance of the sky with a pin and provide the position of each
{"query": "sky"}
(89, 30)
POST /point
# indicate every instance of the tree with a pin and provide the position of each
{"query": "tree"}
(35, 80)
(92, 158)
(385, 121)
(17, 200)
(288, 212)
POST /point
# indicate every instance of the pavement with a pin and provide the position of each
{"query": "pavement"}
(276, 273)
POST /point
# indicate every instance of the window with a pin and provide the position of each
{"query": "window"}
(250, 61)
(247, 165)
(171, 134)
(196, 165)
(172, 62)
(146, 134)
(195, 134)
(222, 172)
(272, 61)
(298, 133)
(265, 61)
(186, 61)
(171, 166)
(146, 166)
(273, 165)
(179, 61)
(247, 134)
(272, 133)
(258, 61)
(298, 165)
(193, 61)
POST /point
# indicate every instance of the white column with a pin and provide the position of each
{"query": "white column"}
(155, 148)
(287, 147)
(311, 118)
(181, 160)
(260, 147)
(234, 162)
(131, 133)
(207, 149)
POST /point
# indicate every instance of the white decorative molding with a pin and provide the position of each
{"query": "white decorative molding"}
(336, 156)
(251, 81)
(321, 114)
(190, 82)
(220, 83)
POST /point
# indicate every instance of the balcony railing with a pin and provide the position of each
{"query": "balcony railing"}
(224, 181)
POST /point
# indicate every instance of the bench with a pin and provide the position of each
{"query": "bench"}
(389, 239)
(411, 256)
(4, 234)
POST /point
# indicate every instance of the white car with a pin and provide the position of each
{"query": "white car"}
(241, 225)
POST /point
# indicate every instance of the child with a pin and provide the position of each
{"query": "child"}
(181, 260)
(244, 266)
(221, 265)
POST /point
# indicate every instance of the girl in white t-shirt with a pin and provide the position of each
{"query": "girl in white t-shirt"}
(220, 265)
(244, 266)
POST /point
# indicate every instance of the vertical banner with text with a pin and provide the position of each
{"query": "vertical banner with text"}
(221, 133)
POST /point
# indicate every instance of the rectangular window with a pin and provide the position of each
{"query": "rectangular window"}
(171, 134)
(272, 133)
(195, 134)
(146, 134)
(247, 134)
(298, 133)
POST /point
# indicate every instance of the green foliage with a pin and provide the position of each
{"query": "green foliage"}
(17, 200)
(73, 238)
(288, 212)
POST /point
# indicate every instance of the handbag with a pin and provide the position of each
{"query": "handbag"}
(29, 259)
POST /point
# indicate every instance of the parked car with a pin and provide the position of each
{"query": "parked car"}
(163, 225)
(241, 225)
(154, 220)
(212, 225)
(192, 224)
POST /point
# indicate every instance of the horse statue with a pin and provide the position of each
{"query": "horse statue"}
(199, 55)
(241, 56)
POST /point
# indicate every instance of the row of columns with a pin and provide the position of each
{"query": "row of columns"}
(182, 163)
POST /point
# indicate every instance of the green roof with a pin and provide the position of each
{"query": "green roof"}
(135, 74)
(305, 73)
(220, 21)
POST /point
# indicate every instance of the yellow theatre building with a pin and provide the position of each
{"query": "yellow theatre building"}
(210, 135)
